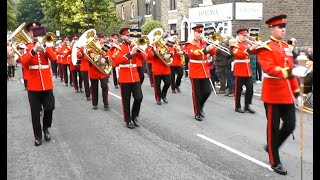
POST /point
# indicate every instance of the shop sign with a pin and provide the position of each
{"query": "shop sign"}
(249, 11)
(220, 12)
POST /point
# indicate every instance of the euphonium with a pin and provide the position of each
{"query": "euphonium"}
(93, 52)
(161, 49)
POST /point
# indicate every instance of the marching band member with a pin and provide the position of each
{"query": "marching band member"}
(280, 90)
(115, 40)
(65, 51)
(199, 72)
(176, 66)
(59, 59)
(242, 70)
(40, 84)
(160, 72)
(84, 69)
(149, 63)
(95, 75)
(75, 71)
(129, 79)
(25, 68)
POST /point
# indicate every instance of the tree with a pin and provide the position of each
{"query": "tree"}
(29, 10)
(11, 15)
(149, 25)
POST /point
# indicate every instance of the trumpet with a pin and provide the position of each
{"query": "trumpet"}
(215, 39)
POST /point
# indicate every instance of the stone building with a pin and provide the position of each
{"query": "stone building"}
(230, 15)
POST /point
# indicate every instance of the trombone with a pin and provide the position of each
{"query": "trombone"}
(213, 40)
(256, 40)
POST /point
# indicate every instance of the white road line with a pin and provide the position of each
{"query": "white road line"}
(114, 95)
(236, 152)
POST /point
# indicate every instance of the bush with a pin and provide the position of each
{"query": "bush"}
(149, 25)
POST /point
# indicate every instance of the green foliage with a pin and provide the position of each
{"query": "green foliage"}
(149, 25)
(29, 10)
(11, 15)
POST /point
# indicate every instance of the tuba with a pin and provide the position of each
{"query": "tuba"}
(20, 35)
(96, 52)
(155, 37)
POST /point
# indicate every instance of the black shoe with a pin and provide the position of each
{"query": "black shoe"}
(174, 91)
(106, 106)
(239, 110)
(135, 122)
(249, 110)
(71, 84)
(88, 99)
(47, 135)
(178, 89)
(77, 91)
(81, 90)
(95, 107)
(202, 114)
(266, 148)
(165, 100)
(198, 118)
(37, 142)
(130, 125)
(117, 87)
(279, 169)
(159, 102)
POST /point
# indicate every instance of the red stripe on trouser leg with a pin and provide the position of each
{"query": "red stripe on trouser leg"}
(194, 100)
(269, 134)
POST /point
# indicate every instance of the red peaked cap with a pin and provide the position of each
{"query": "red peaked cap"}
(115, 35)
(103, 36)
(276, 20)
(124, 31)
(242, 31)
(198, 27)
(32, 24)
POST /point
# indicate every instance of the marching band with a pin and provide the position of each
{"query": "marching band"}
(95, 58)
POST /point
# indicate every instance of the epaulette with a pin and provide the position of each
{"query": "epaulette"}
(265, 45)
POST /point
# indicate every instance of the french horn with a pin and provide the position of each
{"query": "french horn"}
(161, 49)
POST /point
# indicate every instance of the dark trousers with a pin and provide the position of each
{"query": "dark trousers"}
(239, 82)
(114, 75)
(25, 82)
(60, 71)
(141, 74)
(54, 67)
(176, 70)
(157, 86)
(66, 68)
(85, 78)
(126, 90)
(149, 69)
(201, 91)
(230, 80)
(11, 71)
(221, 72)
(213, 77)
(276, 136)
(186, 65)
(77, 83)
(95, 90)
(259, 72)
(37, 100)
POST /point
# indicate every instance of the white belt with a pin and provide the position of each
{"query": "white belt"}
(241, 60)
(265, 75)
(197, 61)
(39, 67)
(127, 65)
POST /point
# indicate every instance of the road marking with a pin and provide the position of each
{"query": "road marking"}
(236, 152)
(114, 95)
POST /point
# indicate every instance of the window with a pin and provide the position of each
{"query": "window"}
(148, 7)
(132, 10)
(173, 4)
(173, 27)
(122, 12)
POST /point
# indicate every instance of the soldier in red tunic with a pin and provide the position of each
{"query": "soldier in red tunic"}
(176, 66)
(65, 51)
(40, 84)
(279, 89)
(242, 70)
(114, 39)
(129, 79)
(198, 52)
(75, 70)
(84, 68)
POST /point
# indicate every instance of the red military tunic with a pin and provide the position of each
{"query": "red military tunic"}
(158, 66)
(200, 69)
(84, 66)
(64, 52)
(94, 73)
(72, 67)
(127, 73)
(40, 77)
(274, 57)
(140, 57)
(241, 60)
(176, 57)
(149, 58)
